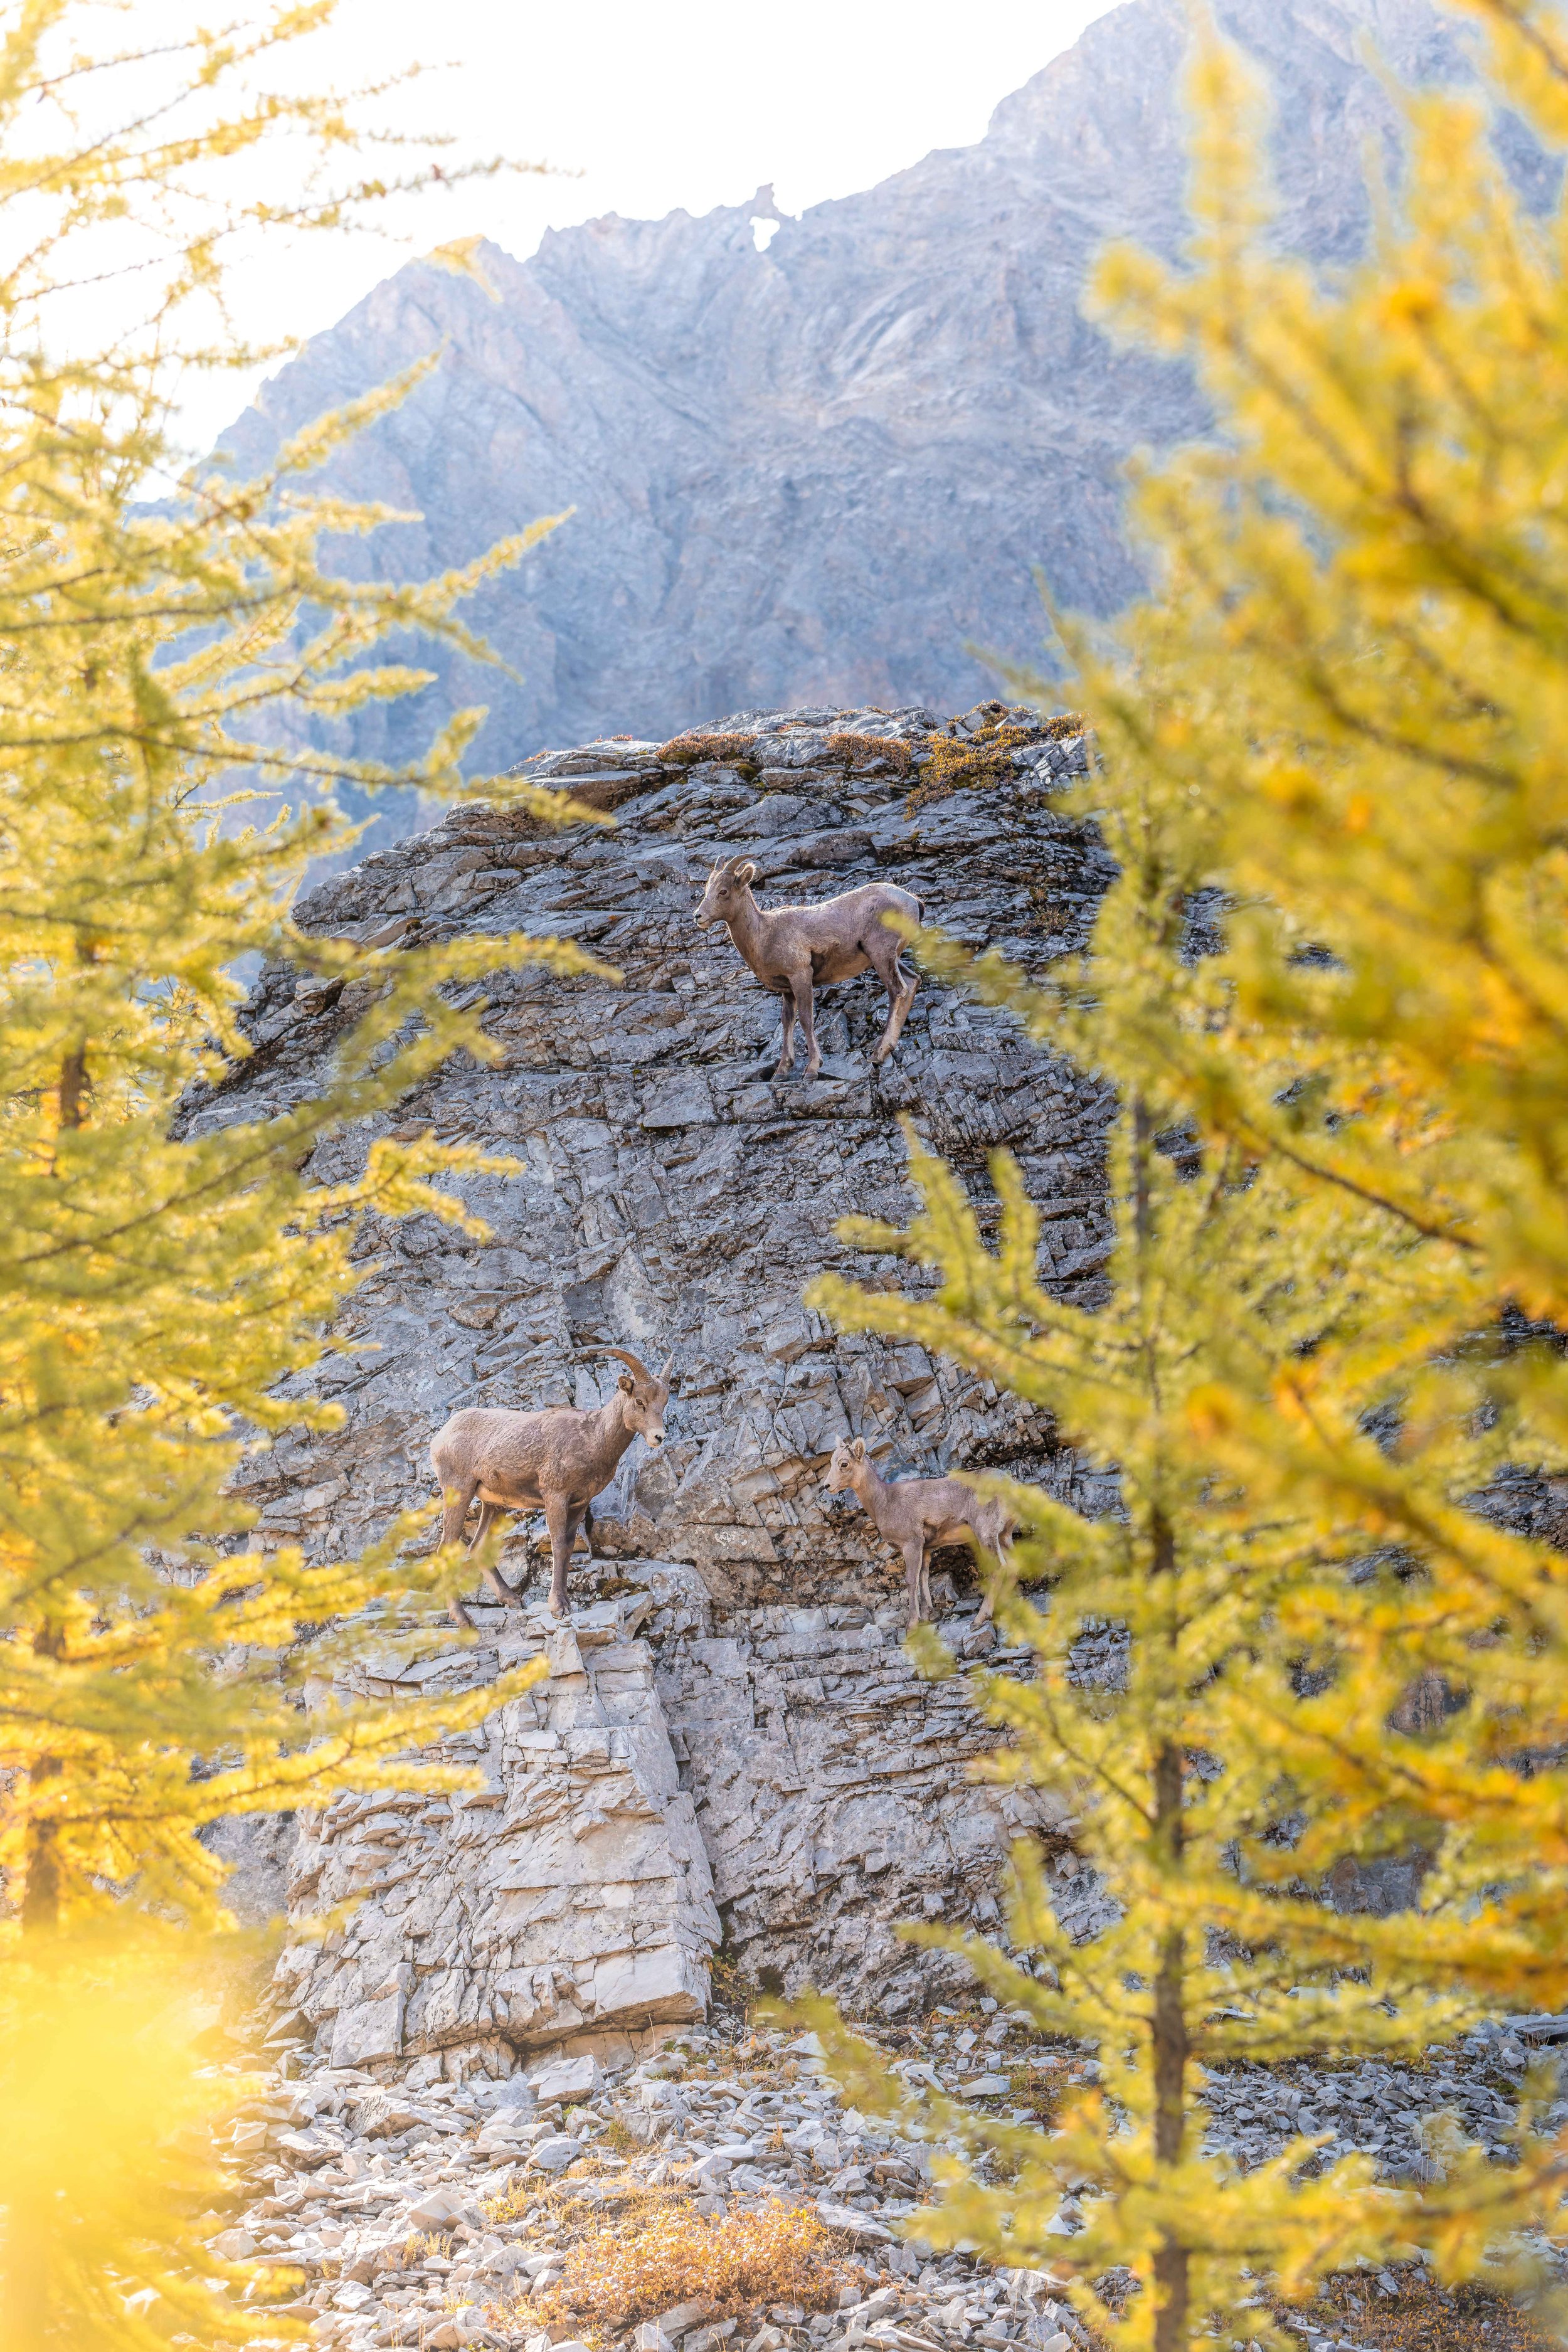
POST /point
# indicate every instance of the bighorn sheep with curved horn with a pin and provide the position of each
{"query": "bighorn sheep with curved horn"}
(796, 949)
(555, 1461)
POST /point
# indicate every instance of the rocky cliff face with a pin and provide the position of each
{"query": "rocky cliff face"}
(730, 1746)
(820, 474)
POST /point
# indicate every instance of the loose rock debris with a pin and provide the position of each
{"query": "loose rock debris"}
(1404, 2311)
(722, 2180)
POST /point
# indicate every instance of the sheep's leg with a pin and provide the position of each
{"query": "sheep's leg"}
(457, 1500)
(982, 1614)
(979, 1545)
(1001, 1543)
(885, 950)
(504, 1593)
(804, 1005)
(588, 1529)
(786, 1050)
(558, 1519)
(484, 1522)
(915, 1577)
(576, 1519)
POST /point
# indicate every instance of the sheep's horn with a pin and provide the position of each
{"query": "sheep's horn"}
(665, 1369)
(627, 1357)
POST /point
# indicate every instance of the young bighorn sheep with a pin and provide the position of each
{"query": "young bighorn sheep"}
(917, 1513)
(796, 949)
(555, 1461)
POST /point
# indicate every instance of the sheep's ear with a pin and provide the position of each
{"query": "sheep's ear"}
(746, 872)
(858, 1449)
(625, 1382)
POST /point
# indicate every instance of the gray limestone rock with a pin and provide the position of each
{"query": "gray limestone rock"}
(570, 1895)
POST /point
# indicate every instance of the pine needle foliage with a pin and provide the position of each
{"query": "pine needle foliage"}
(1220, 1949)
(1330, 756)
(174, 652)
(157, 1291)
(1353, 678)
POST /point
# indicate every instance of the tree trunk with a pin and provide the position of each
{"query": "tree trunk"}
(25, 2276)
(1170, 2056)
(73, 1087)
(43, 1886)
(24, 2297)
(1169, 2053)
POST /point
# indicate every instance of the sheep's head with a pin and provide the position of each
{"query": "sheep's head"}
(848, 1456)
(644, 1396)
(729, 884)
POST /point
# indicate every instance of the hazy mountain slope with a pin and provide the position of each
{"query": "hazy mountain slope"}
(810, 474)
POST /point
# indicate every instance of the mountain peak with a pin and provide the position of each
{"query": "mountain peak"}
(824, 475)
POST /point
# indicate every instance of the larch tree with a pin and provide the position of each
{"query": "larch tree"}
(1332, 734)
(1357, 668)
(165, 634)
(1222, 1949)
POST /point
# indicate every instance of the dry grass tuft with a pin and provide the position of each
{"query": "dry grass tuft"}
(858, 749)
(1037, 2090)
(645, 2261)
(422, 2244)
(686, 750)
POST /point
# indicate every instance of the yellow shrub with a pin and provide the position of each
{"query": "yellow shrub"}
(958, 763)
(638, 2265)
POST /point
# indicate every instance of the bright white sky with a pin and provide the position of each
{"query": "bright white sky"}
(693, 103)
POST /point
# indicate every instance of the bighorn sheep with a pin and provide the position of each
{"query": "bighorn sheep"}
(795, 950)
(555, 1461)
(916, 1513)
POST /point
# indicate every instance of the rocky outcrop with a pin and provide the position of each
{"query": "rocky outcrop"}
(825, 472)
(732, 1746)
(570, 1896)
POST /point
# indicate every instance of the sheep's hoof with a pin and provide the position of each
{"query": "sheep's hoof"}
(814, 1070)
(783, 1069)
